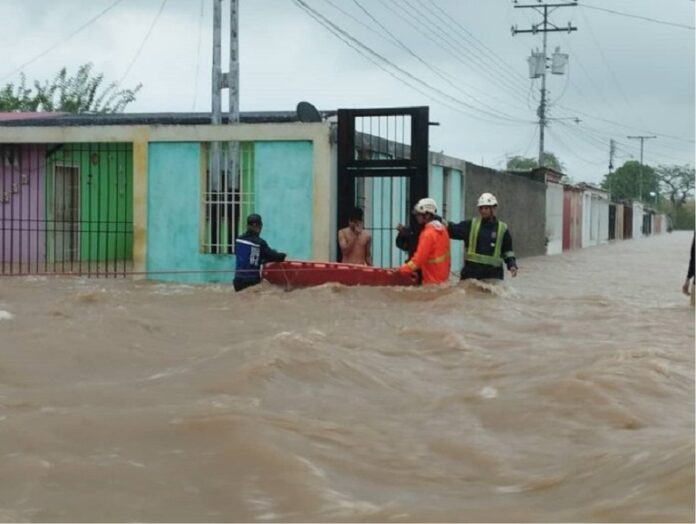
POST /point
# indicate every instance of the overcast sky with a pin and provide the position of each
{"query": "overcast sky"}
(626, 75)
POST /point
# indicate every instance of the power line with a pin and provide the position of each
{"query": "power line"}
(347, 37)
(144, 41)
(462, 83)
(63, 40)
(450, 42)
(611, 71)
(450, 21)
(436, 70)
(645, 18)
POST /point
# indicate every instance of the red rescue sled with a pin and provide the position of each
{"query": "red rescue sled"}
(301, 273)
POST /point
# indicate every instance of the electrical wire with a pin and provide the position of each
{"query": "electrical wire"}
(381, 61)
(436, 70)
(644, 18)
(63, 40)
(421, 23)
(142, 44)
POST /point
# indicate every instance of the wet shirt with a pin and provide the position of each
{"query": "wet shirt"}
(250, 252)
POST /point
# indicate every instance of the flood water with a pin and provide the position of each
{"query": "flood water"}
(566, 396)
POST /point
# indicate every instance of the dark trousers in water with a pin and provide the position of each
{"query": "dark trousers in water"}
(243, 284)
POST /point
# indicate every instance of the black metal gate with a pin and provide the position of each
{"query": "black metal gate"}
(383, 169)
(66, 209)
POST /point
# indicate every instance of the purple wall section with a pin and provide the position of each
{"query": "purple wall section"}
(22, 205)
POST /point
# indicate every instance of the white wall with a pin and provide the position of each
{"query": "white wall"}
(638, 220)
(554, 218)
(595, 218)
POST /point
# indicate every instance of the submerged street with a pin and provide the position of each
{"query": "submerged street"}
(566, 395)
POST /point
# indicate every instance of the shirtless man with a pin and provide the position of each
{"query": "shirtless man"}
(355, 241)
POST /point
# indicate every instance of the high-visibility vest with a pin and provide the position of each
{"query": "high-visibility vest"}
(495, 259)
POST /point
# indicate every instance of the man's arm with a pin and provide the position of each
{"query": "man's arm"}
(426, 241)
(345, 243)
(508, 254)
(368, 250)
(270, 255)
(459, 231)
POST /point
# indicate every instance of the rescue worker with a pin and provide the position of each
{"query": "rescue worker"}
(250, 252)
(407, 236)
(432, 255)
(488, 243)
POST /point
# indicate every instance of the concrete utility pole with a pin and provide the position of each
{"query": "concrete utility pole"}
(228, 80)
(640, 175)
(543, 27)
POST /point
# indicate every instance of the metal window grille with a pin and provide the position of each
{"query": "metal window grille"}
(228, 197)
(446, 177)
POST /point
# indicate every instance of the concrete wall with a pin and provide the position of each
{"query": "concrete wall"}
(638, 220)
(554, 218)
(595, 218)
(174, 216)
(455, 213)
(522, 205)
(22, 205)
(283, 193)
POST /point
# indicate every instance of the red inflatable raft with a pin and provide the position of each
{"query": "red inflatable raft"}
(300, 273)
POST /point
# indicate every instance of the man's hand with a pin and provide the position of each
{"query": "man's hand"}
(685, 287)
(401, 229)
(513, 271)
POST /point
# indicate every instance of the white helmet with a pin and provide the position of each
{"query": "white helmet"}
(487, 199)
(426, 205)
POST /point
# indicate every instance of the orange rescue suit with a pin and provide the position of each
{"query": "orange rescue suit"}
(432, 255)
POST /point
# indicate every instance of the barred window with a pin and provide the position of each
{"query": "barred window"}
(228, 196)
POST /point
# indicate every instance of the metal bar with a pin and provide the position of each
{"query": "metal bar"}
(108, 209)
(100, 176)
(4, 206)
(384, 111)
(537, 6)
(12, 211)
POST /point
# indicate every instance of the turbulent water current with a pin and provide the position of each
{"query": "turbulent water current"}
(567, 394)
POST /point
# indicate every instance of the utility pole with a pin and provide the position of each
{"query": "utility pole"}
(640, 175)
(543, 27)
(612, 152)
(220, 81)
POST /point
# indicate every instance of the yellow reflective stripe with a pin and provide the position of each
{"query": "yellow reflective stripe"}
(508, 254)
(441, 258)
(484, 259)
(502, 226)
(412, 265)
(473, 235)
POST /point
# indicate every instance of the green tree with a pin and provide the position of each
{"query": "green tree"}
(81, 93)
(521, 163)
(677, 185)
(625, 182)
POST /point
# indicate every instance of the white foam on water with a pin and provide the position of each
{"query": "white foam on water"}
(6, 315)
(488, 392)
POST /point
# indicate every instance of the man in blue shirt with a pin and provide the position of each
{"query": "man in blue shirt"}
(251, 251)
